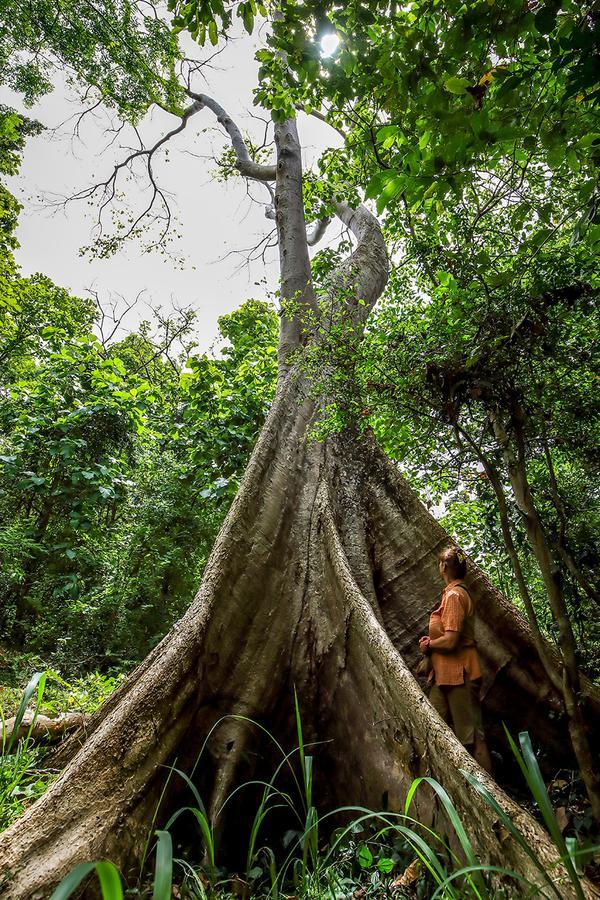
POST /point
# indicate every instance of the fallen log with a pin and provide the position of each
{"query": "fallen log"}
(43, 728)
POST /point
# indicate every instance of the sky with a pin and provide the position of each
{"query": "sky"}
(208, 269)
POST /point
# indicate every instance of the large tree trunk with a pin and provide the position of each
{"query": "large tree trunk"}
(321, 579)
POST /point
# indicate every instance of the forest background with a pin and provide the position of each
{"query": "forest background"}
(121, 453)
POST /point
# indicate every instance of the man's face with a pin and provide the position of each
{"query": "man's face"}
(441, 567)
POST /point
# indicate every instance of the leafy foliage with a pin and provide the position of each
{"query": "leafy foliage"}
(121, 49)
(117, 472)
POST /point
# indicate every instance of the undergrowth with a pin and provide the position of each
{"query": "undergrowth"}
(23, 776)
(375, 855)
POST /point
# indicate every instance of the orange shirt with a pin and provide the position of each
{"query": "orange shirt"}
(456, 612)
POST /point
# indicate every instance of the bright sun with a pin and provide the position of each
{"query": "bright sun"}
(329, 43)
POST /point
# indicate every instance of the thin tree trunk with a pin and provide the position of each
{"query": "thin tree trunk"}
(541, 645)
(561, 547)
(578, 728)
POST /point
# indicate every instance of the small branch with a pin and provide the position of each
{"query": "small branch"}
(323, 118)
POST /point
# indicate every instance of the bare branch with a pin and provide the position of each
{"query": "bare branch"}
(109, 321)
(158, 204)
(245, 164)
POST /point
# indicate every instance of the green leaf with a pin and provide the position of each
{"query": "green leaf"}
(248, 18)
(556, 156)
(511, 828)
(387, 131)
(213, 33)
(110, 880)
(108, 876)
(591, 139)
(541, 236)
(375, 185)
(37, 683)
(385, 865)
(453, 816)
(456, 85)
(364, 857)
(531, 770)
(72, 881)
(545, 19)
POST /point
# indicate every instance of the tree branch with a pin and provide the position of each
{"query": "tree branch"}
(245, 164)
(317, 232)
(369, 262)
(108, 188)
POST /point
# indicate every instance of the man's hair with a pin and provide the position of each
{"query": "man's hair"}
(455, 561)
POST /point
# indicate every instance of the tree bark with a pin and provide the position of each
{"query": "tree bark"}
(320, 580)
(299, 303)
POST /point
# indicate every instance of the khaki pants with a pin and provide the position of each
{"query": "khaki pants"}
(459, 707)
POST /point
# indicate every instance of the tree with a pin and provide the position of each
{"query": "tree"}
(328, 553)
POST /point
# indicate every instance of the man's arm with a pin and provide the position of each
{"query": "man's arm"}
(446, 643)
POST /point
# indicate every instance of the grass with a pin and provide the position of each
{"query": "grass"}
(84, 694)
(22, 779)
(367, 858)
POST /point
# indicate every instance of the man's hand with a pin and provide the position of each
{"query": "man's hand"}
(424, 645)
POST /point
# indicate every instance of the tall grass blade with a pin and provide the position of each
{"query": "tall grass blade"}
(274, 892)
(72, 881)
(199, 889)
(163, 872)
(450, 810)
(307, 791)
(3, 730)
(207, 834)
(484, 868)
(110, 880)
(192, 788)
(536, 784)
(108, 876)
(37, 681)
(308, 779)
(154, 817)
(512, 829)
(259, 818)
(240, 718)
